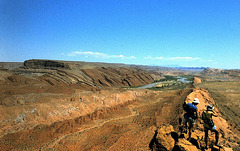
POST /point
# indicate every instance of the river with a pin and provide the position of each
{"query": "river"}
(183, 80)
(148, 86)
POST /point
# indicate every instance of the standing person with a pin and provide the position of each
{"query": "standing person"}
(191, 115)
(209, 125)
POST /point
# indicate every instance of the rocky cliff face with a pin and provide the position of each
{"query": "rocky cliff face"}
(47, 76)
(221, 72)
(90, 74)
(36, 64)
(211, 71)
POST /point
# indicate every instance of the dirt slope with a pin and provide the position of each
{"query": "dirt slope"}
(42, 77)
(100, 121)
(60, 105)
(53, 76)
(221, 74)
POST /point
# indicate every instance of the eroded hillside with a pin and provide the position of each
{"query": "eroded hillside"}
(41, 97)
(60, 105)
(87, 74)
(106, 120)
(220, 74)
(46, 76)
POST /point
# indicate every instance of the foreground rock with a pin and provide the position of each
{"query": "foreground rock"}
(184, 145)
(166, 139)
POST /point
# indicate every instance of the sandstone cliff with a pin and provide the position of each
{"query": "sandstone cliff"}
(89, 74)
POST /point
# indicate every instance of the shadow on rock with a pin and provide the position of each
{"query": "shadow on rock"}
(195, 142)
(165, 139)
(175, 136)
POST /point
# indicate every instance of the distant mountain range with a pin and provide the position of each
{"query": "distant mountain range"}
(179, 67)
(191, 68)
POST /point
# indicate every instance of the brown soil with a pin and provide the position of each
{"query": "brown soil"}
(52, 105)
(130, 125)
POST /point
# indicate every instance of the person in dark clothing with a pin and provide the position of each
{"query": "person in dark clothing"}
(190, 116)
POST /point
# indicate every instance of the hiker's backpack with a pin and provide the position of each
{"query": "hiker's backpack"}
(185, 106)
(190, 109)
(206, 117)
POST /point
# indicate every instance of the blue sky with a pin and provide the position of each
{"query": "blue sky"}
(148, 32)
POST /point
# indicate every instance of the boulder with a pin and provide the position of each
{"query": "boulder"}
(197, 80)
(227, 149)
(184, 145)
(164, 140)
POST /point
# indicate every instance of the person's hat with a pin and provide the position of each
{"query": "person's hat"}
(210, 107)
(196, 101)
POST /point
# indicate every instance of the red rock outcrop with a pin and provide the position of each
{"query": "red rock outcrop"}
(223, 126)
(184, 145)
(197, 80)
(164, 139)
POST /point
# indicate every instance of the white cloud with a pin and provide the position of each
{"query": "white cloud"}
(132, 57)
(184, 58)
(154, 58)
(174, 58)
(98, 55)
